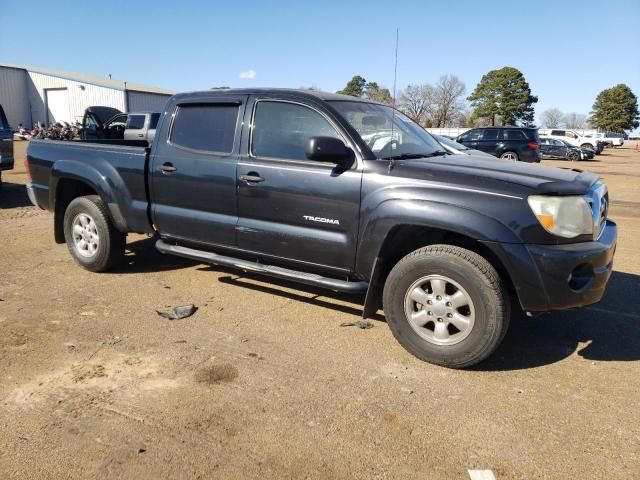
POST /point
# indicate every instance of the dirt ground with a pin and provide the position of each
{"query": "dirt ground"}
(263, 382)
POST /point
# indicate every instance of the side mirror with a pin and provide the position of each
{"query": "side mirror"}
(328, 149)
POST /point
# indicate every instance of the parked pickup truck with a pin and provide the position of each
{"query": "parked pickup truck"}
(103, 123)
(283, 183)
(6, 144)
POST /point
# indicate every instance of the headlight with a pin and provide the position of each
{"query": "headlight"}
(566, 217)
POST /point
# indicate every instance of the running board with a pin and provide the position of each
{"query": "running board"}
(271, 270)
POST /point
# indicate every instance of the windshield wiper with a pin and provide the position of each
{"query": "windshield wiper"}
(408, 156)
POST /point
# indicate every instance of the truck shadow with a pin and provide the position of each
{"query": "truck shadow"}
(13, 195)
(607, 331)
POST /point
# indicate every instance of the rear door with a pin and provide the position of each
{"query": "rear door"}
(193, 171)
(6, 143)
(290, 207)
(489, 141)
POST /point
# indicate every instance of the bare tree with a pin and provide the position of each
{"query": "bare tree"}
(551, 118)
(416, 101)
(575, 120)
(448, 105)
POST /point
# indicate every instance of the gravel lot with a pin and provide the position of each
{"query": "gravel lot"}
(262, 382)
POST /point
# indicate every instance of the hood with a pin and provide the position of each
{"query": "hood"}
(493, 173)
(103, 113)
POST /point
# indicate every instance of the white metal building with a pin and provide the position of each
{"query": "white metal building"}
(29, 95)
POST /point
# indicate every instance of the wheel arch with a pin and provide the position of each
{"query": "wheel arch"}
(70, 180)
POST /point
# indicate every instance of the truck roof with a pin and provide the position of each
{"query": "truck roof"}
(292, 92)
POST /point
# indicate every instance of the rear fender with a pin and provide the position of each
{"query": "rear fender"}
(107, 184)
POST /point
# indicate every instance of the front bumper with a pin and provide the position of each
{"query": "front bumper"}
(576, 274)
(559, 277)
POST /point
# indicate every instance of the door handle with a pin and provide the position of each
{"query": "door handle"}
(167, 168)
(141, 135)
(251, 177)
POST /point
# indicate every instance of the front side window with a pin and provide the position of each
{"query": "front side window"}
(557, 132)
(471, 136)
(388, 134)
(3, 120)
(282, 130)
(135, 122)
(208, 127)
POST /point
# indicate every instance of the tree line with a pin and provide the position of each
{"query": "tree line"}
(502, 97)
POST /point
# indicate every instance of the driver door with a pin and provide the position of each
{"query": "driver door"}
(288, 206)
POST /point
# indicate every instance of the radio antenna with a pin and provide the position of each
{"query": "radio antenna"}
(393, 101)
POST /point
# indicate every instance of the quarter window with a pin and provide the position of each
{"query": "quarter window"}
(513, 135)
(282, 130)
(205, 127)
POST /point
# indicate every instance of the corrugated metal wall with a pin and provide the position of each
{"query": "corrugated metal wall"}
(13, 96)
(81, 95)
(146, 102)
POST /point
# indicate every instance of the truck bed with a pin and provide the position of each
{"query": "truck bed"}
(115, 169)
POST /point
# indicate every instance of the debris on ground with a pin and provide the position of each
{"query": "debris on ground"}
(69, 345)
(362, 324)
(87, 313)
(179, 313)
(112, 341)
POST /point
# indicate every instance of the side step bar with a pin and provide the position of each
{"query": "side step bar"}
(271, 270)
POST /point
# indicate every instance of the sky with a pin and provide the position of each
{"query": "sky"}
(567, 50)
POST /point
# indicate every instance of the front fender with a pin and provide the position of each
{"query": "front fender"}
(424, 213)
(108, 185)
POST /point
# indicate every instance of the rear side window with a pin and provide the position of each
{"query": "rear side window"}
(135, 122)
(153, 121)
(558, 132)
(205, 127)
(490, 134)
(282, 130)
(513, 135)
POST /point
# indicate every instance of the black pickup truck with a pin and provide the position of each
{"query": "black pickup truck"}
(342, 193)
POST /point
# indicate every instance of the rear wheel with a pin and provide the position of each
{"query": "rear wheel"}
(512, 156)
(92, 238)
(446, 305)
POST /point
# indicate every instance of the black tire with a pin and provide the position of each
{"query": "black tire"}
(110, 247)
(573, 156)
(483, 286)
(512, 156)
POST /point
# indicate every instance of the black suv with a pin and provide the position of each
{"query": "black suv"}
(509, 143)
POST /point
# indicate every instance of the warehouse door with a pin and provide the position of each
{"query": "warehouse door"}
(57, 103)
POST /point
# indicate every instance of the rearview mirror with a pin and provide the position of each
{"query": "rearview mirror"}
(328, 149)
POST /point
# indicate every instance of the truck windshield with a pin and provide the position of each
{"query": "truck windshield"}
(388, 136)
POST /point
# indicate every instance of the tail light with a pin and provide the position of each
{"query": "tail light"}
(26, 166)
(533, 145)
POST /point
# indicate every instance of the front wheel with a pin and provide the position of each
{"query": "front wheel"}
(446, 305)
(573, 156)
(511, 156)
(92, 238)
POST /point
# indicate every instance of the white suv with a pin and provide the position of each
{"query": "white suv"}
(572, 137)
